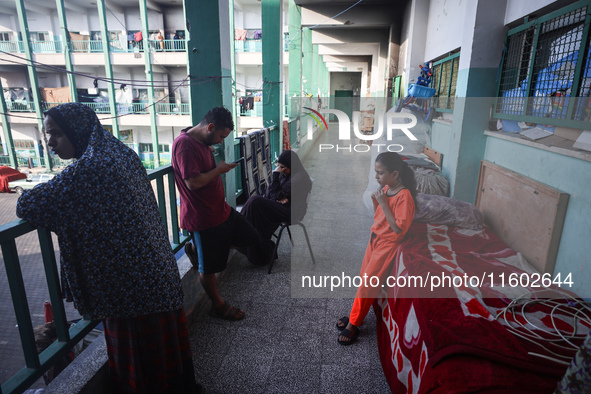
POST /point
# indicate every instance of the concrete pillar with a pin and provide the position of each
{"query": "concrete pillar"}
(22, 18)
(100, 4)
(150, 79)
(6, 129)
(482, 47)
(209, 64)
(295, 59)
(272, 69)
(307, 61)
(61, 12)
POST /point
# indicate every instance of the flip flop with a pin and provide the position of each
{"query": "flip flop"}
(226, 312)
(344, 321)
(348, 334)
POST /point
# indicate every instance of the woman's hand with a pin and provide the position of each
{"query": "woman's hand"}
(379, 196)
(283, 201)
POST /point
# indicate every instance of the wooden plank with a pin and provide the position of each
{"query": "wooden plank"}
(433, 155)
(527, 215)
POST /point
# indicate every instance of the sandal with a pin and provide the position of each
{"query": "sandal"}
(192, 255)
(350, 335)
(226, 312)
(344, 321)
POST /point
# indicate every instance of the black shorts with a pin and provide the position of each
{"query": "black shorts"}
(216, 241)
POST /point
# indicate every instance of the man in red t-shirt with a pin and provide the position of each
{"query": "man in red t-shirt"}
(203, 205)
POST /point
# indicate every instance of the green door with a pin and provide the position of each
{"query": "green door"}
(343, 101)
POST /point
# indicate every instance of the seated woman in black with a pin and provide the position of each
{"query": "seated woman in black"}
(284, 200)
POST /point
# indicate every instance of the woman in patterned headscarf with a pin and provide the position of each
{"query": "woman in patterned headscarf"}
(115, 258)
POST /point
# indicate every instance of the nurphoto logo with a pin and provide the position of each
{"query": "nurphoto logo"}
(393, 121)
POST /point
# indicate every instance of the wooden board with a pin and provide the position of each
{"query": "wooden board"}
(434, 156)
(527, 215)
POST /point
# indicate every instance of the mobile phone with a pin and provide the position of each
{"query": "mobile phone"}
(236, 161)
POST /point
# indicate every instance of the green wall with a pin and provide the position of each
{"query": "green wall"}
(464, 145)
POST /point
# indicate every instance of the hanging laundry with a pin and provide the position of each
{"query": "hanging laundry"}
(240, 34)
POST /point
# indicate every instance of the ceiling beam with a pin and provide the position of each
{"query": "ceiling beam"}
(115, 7)
(153, 6)
(75, 8)
(34, 7)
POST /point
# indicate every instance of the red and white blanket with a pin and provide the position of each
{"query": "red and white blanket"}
(472, 336)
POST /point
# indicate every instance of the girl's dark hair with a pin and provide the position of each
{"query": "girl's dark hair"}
(393, 162)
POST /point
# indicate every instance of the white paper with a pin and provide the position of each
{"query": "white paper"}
(499, 124)
(536, 133)
(584, 141)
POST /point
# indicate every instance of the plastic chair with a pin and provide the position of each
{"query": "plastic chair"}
(286, 225)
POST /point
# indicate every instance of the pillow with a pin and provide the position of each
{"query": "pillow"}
(437, 209)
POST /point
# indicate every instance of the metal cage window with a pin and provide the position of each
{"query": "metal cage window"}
(546, 71)
(444, 74)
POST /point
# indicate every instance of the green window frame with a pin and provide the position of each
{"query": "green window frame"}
(145, 148)
(444, 79)
(545, 74)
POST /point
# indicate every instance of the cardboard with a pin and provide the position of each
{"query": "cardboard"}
(569, 134)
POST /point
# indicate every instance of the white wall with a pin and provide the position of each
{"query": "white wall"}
(253, 78)
(40, 22)
(14, 79)
(444, 28)
(345, 81)
(517, 9)
(252, 17)
(8, 23)
(133, 20)
(77, 22)
(173, 20)
(47, 80)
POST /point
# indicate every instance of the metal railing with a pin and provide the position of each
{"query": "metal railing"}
(20, 106)
(122, 108)
(12, 46)
(96, 46)
(248, 45)
(37, 364)
(86, 45)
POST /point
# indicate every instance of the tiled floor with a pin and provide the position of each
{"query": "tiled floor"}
(287, 343)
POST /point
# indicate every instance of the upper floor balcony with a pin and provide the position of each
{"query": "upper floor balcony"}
(92, 46)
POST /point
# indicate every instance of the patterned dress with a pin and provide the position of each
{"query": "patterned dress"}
(115, 257)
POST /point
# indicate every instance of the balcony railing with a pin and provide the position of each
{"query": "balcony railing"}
(37, 364)
(12, 46)
(20, 106)
(248, 46)
(96, 46)
(122, 108)
(36, 46)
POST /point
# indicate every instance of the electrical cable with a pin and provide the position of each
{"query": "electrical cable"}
(560, 340)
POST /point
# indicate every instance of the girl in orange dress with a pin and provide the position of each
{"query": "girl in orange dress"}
(394, 206)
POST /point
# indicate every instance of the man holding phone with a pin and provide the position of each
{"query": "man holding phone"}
(203, 205)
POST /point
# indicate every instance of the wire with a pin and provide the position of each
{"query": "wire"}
(561, 308)
(112, 13)
(117, 81)
(311, 27)
(340, 13)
